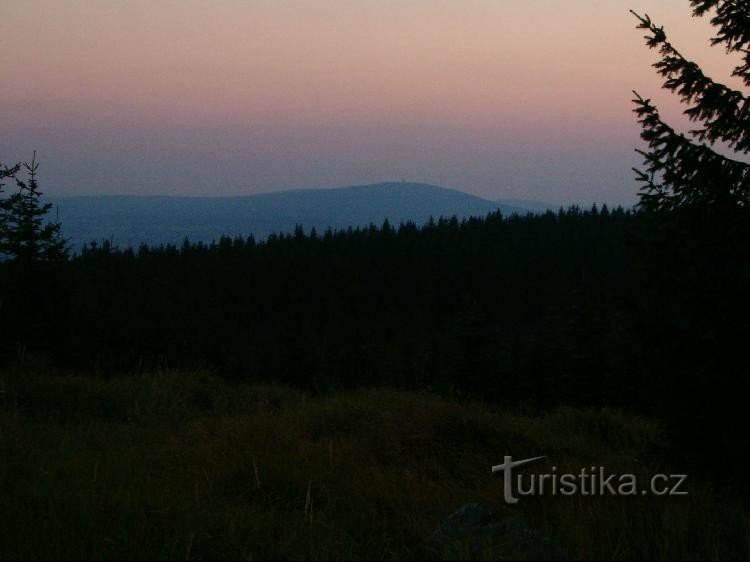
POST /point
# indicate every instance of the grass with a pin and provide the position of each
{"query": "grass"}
(185, 466)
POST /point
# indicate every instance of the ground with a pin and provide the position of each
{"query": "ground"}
(185, 465)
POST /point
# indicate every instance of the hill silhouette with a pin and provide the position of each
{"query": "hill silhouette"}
(131, 220)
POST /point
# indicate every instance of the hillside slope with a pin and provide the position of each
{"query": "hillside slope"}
(132, 220)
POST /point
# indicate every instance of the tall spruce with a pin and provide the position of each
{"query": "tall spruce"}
(30, 237)
(694, 260)
(681, 170)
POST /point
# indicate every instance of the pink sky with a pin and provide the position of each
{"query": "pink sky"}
(501, 98)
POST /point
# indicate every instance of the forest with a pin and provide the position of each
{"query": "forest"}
(645, 312)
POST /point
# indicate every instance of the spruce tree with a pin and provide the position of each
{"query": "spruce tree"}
(694, 257)
(682, 170)
(30, 236)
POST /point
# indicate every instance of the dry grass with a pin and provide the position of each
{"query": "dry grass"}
(185, 466)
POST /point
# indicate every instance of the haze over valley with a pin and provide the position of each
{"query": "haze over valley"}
(133, 220)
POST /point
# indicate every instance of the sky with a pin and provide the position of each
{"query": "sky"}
(526, 99)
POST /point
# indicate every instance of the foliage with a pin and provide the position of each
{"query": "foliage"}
(508, 309)
(696, 256)
(680, 172)
(5, 173)
(29, 237)
(32, 250)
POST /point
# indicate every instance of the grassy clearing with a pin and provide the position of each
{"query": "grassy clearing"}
(185, 466)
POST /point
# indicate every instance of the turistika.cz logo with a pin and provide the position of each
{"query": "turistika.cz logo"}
(590, 481)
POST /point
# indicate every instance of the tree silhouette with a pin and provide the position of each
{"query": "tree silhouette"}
(5, 173)
(684, 171)
(695, 255)
(29, 236)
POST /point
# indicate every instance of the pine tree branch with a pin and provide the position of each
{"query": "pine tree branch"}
(678, 172)
(733, 20)
(724, 112)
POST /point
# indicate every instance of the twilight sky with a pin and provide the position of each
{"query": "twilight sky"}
(500, 98)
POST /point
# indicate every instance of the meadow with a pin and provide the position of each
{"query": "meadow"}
(184, 465)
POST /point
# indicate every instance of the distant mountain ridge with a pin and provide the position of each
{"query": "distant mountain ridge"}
(129, 220)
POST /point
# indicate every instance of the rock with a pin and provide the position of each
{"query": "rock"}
(477, 531)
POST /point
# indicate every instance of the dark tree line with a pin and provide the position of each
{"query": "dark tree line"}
(578, 307)
(466, 306)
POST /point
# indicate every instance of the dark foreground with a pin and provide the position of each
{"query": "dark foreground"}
(183, 465)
